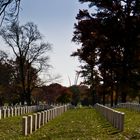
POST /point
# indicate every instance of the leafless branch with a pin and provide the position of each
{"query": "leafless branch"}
(9, 10)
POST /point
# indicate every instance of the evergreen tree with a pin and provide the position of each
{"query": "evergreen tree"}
(110, 36)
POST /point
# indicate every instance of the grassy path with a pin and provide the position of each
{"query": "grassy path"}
(132, 125)
(76, 124)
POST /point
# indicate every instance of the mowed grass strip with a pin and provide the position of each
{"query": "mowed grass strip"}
(10, 128)
(132, 124)
(75, 124)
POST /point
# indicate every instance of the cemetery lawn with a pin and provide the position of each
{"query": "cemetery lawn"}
(75, 124)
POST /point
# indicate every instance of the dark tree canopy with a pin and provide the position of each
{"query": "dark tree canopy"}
(110, 45)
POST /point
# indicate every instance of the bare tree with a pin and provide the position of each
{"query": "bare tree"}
(31, 54)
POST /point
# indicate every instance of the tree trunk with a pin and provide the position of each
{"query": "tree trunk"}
(28, 96)
(22, 98)
(94, 97)
(104, 99)
(116, 98)
(111, 103)
(139, 99)
(22, 75)
(1, 102)
(123, 96)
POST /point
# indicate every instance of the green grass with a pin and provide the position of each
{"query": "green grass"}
(10, 128)
(132, 125)
(75, 124)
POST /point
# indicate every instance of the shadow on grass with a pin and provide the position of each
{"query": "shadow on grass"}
(75, 134)
(114, 132)
(111, 130)
(108, 127)
(133, 135)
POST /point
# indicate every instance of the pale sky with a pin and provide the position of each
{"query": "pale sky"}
(55, 20)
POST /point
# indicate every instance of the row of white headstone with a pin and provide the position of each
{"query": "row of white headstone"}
(17, 111)
(130, 106)
(33, 122)
(116, 118)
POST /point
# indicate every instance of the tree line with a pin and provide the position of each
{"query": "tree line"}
(20, 73)
(56, 93)
(109, 35)
(30, 57)
(20, 82)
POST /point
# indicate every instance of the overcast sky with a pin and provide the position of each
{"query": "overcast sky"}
(55, 20)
